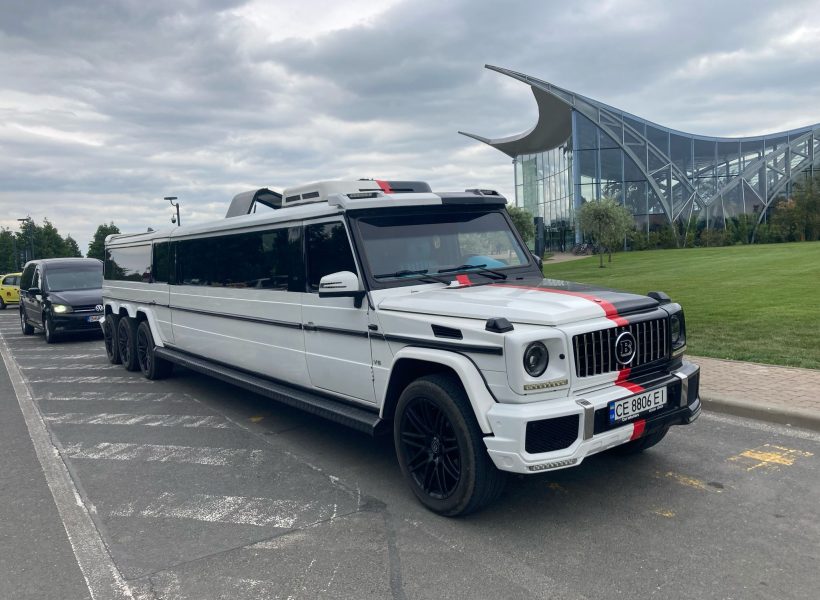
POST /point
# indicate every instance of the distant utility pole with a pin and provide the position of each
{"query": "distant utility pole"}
(171, 200)
(28, 225)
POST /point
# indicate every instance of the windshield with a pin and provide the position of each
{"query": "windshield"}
(401, 247)
(63, 280)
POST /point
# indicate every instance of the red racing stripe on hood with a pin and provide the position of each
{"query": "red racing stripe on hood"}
(609, 309)
(385, 186)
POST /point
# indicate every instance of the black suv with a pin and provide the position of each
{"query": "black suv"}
(61, 295)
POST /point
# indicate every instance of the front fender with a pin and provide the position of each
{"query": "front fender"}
(480, 398)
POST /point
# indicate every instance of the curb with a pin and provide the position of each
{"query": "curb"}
(794, 417)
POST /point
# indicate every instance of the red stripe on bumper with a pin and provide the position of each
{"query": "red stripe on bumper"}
(623, 375)
(637, 429)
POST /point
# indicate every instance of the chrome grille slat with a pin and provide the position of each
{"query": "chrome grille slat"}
(594, 351)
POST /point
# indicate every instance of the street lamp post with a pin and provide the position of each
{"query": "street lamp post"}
(29, 223)
(175, 205)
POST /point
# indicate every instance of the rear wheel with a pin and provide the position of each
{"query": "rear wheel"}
(641, 444)
(127, 343)
(3, 305)
(48, 329)
(440, 448)
(151, 365)
(27, 329)
(109, 329)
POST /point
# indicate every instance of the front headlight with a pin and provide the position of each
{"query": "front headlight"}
(677, 330)
(61, 308)
(536, 359)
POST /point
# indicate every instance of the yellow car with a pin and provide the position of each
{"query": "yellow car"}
(9, 290)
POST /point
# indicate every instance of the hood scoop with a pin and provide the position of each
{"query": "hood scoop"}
(449, 333)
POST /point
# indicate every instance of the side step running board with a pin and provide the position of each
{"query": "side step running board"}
(346, 414)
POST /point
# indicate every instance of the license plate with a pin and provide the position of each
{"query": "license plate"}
(93, 318)
(643, 403)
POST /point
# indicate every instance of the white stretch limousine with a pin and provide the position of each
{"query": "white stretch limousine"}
(384, 306)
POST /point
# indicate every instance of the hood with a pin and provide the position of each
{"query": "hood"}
(77, 297)
(538, 302)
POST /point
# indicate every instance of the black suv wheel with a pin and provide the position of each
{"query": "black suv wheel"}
(127, 343)
(440, 448)
(109, 329)
(151, 366)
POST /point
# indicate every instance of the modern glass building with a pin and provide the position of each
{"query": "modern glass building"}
(582, 150)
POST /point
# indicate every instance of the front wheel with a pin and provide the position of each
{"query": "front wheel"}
(3, 305)
(440, 448)
(151, 365)
(127, 343)
(48, 330)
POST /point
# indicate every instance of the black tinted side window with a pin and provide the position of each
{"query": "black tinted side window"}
(132, 263)
(328, 251)
(28, 275)
(161, 262)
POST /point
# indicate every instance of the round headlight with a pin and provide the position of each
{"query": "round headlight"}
(536, 359)
(675, 328)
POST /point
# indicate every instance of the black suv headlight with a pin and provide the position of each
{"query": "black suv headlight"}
(536, 359)
(677, 331)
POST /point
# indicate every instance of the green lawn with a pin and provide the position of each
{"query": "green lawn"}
(758, 303)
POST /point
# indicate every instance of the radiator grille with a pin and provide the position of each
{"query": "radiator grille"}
(595, 350)
(547, 435)
(87, 308)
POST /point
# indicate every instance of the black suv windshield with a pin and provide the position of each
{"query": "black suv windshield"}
(73, 278)
(401, 247)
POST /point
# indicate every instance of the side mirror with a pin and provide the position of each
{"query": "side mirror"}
(540, 262)
(343, 284)
(35, 291)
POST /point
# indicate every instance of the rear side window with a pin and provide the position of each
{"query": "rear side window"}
(131, 263)
(328, 251)
(257, 259)
(162, 262)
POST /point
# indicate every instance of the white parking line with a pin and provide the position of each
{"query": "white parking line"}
(125, 379)
(74, 418)
(56, 356)
(120, 397)
(164, 453)
(240, 510)
(70, 366)
(101, 575)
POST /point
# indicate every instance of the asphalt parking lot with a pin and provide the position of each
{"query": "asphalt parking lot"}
(198, 490)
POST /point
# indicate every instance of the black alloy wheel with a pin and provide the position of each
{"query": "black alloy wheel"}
(150, 364)
(48, 330)
(109, 329)
(27, 329)
(430, 445)
(127, 343)
(441, 450)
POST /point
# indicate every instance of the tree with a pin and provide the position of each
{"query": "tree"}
(72, 248)
(96, 249)
(607, 222)
(522, 219)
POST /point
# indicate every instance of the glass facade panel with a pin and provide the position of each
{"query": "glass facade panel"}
(658, 174)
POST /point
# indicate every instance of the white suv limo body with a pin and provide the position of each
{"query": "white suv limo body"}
(384, 306)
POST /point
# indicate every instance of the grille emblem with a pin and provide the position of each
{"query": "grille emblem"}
(99, 307)
(625, 348)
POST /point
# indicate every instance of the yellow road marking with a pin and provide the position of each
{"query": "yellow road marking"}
(770, 457)
(688, 481)
(557, 487)
(669, 514)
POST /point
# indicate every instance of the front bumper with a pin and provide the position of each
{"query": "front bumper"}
(583, 422)
(75, 322)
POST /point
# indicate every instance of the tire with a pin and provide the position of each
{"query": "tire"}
(641, 444)
(109, 330)
(151, 366)
(27, 329)
(48, 330)
(440, 448)
(3, 305)
(127, 343)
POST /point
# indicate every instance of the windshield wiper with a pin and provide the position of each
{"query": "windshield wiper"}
(409, 273)
(481, 269)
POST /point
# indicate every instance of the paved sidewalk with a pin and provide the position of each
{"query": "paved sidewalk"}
(784, 395)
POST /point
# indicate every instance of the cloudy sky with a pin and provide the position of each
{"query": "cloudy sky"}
(106, 106)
